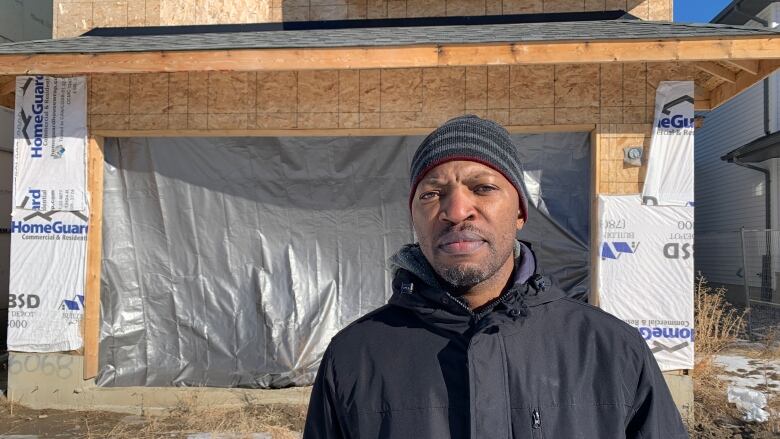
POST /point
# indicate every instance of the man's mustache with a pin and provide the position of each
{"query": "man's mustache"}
(461, 234)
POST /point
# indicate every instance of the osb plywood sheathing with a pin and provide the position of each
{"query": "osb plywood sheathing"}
(381, 98)
(617, 97)
(74, 17)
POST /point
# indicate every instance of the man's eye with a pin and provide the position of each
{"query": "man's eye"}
(484, 188)
(428, 195)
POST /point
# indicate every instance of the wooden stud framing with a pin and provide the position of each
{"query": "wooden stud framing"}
(744, 79)
(595, 180)
(712, 49)
(718, 71)
(750, 66)
(701, 98)
(7, 91)
(8, 87)
(94, 256)
(702, 105)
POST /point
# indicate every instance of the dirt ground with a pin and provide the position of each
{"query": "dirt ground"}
(715, 417)
(280, 421)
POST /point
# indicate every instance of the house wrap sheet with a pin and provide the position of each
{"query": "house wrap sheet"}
(50, 132)
(669, 180)
(232, 262)
(49, 218)
(645, 274)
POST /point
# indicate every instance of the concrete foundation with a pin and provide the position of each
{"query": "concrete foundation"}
(681, 387)
(53, 381)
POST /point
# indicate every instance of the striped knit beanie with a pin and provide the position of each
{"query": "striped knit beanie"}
(470, 138)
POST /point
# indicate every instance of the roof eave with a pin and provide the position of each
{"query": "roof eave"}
(734, 13)
(759, 56)
(759, 150)
(765, 47)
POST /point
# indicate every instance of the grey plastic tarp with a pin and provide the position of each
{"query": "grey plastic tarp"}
(231, 262)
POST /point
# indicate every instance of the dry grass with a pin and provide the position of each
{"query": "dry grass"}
(717, 323)
(281, 421)
(710, 402)
(718, 327)
(771, 345)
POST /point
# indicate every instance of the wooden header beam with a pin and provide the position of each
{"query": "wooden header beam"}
(339, 132)
(713, 49)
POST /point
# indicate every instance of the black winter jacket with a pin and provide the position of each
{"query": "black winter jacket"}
(535, 364)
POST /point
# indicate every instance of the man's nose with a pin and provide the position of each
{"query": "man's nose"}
(457, 206)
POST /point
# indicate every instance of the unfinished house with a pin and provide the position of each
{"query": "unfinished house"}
(247, 162)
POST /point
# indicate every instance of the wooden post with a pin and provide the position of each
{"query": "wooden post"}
(94, 256)
(596, 140)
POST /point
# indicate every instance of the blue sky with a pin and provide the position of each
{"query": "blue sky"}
(697, 11)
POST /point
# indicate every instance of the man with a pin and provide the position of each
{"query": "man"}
(472, 344)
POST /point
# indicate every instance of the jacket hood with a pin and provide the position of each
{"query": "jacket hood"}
(416, 286)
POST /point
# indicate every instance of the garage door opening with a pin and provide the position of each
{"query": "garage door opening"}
(231, 262)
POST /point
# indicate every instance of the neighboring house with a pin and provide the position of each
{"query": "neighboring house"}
(19, 21)
(745, 131)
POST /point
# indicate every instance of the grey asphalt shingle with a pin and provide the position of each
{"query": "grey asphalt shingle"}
(389, 36)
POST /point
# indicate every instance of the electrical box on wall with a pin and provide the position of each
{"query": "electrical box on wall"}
(632, 155)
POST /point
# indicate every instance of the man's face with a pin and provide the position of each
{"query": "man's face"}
(466, 216)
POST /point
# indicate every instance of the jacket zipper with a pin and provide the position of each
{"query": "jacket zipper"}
(536, 424)
(503, 299)
(462, 305)
(478, 316)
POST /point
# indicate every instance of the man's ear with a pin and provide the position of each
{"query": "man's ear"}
(520, 221)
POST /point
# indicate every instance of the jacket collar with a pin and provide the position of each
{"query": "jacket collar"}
(416, 286)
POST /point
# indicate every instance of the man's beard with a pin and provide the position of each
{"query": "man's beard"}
(464, 276)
